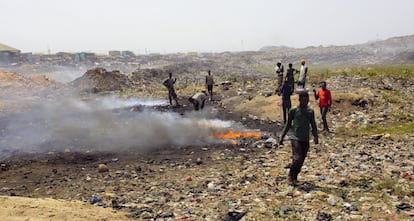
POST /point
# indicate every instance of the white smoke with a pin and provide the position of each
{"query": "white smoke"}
(74, 124)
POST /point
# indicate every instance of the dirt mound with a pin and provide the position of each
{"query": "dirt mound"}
(13, 83)
(19, 91)
(99, 80)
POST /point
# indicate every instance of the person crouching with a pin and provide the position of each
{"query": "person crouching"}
(198, 100)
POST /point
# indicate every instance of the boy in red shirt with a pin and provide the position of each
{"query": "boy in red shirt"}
(325, 102)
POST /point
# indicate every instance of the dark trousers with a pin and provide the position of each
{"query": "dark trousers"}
(286, 105)
(299, 153)
(324, 111)
(172, 95)
(210, 91)
(292, 85)
(197, 105)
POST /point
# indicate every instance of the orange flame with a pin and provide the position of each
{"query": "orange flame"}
(235, 135)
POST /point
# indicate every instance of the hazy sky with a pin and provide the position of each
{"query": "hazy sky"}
(168, 26)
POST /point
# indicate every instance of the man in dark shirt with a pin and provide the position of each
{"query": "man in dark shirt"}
(301, 116)
(290, 76)
(209, 84)
(169, 84)
(285, 90)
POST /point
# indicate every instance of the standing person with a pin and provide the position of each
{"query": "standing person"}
(325, 102)
(198, 100)
(169, 83)
(285, 90)
(209, 84)
(279, 72)
(302, 74)
(301, 116)
(290, 76)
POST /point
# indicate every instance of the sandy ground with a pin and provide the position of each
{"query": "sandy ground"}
(24, 209)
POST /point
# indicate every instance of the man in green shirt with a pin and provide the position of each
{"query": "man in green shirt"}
(301, 116)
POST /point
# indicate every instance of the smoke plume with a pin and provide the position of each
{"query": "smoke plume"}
(103, 124)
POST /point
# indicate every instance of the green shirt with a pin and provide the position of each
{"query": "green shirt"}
(301, 119)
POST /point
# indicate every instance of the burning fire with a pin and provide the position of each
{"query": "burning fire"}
(232, 135)
(235, 135)
(221, 130)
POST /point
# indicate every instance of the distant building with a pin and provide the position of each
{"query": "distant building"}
(127, 54)
(114, 53)
(85, 57)
(90, 57)
(8, 55)
(26, 57)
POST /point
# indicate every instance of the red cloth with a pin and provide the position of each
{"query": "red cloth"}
(325, 98)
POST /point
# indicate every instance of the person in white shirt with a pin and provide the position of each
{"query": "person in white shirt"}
(198, 100)
(279, 72)
(302, 74)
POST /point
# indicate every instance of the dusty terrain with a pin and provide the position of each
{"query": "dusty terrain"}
(353, 174)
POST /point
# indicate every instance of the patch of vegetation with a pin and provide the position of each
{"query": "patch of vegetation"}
(342, 130)
(374, 72)
(318, 74)
(223, 78)
(233, 76)
(286, 213)
(391, 185)
(393, 96)
(396, 128)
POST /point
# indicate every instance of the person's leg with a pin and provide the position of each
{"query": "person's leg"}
(210, 91)
(279, 80)
(170, 97)
(285, 110)
(174, 96)
(289, 105)
(299, 152)
(324, 111)
(195, 103)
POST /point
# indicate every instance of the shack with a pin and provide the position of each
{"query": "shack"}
(8, 55)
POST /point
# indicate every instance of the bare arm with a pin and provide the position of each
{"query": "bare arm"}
(314, 128)
(329, 99)
(315, 94)
(287, 125)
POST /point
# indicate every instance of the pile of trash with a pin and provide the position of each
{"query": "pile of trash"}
(100, 80)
